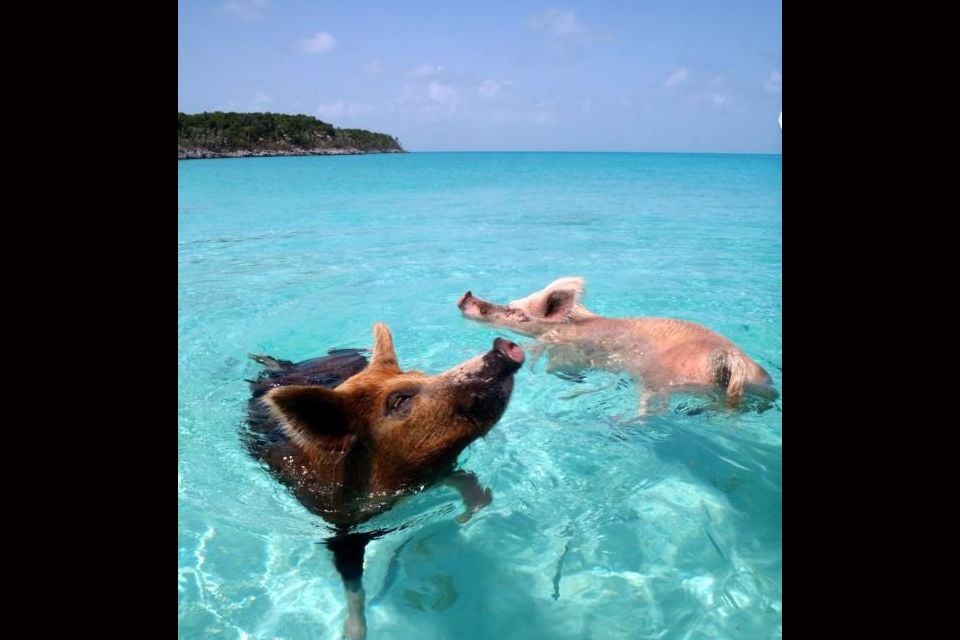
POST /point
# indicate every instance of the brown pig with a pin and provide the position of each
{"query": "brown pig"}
(350, 439)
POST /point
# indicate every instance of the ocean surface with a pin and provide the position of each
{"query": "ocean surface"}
(599, 528)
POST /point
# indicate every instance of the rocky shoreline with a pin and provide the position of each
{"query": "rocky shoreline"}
(199, 154)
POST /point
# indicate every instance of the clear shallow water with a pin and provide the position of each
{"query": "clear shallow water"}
(598, 529)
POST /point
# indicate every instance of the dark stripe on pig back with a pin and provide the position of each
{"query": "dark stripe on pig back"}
(327, 371)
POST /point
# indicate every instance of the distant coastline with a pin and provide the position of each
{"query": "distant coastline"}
(201, 154)
(244, 135)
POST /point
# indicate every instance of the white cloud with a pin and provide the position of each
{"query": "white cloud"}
(423, 71)
(340, 108)
(260, 101)
(492, 88)
(542, 117)
(719, 100)
(559, 22)
(774, 83)
(435, 98)
(717, 81)
(563, 29)
(541, 114)
(373, 66)
(320, 42)
(246, 9)
(677, 78)
(443, 95)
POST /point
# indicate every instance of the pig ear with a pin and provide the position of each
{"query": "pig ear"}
(310, 416)
(558, 303)
(575, 284)
(384, 356)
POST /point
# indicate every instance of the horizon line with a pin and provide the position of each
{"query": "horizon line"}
(732, 153)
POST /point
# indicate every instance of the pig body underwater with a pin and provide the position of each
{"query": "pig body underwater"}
(664, 354)
(349, 438)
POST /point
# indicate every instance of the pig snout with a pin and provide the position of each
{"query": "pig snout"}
(509, 355)
(473, 307)
(509, 349)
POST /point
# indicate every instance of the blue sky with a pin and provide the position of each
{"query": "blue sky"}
(483, 76)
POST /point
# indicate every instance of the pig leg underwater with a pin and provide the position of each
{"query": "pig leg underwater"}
(475, 496)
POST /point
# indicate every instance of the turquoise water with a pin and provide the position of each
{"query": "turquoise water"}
(599, 528)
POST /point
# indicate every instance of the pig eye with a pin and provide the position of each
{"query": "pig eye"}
(399, 402)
